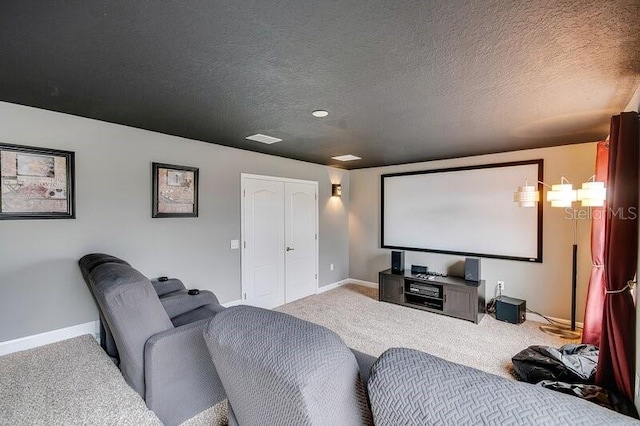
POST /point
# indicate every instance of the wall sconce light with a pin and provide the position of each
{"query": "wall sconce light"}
(336, 190)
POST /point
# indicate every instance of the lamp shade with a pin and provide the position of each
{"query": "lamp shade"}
(562, 195)
(526, 196)
(592, 194)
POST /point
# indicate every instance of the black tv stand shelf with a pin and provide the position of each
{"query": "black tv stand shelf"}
(450, 296)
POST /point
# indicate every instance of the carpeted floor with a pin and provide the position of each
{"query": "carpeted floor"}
(74, 382)
(370, 326)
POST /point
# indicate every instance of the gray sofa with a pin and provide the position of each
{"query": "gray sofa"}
(155, 331)
(278, 369)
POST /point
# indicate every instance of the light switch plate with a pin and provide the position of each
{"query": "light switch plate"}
(235, 244)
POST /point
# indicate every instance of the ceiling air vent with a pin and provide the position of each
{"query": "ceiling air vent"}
(263, 138)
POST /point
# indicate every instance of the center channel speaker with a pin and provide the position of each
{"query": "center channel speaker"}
(397, 262)
(472, 269)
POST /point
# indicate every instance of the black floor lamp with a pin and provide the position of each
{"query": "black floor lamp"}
(592, 194)
(561, 330)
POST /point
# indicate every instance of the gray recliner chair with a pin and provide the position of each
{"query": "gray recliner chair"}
(156, 332)
(281, 370)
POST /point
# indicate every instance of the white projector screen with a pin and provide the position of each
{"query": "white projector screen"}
(467, 211)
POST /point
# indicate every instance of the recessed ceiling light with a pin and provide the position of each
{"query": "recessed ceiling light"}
(347, 157)
(320, 113)
(263, 138)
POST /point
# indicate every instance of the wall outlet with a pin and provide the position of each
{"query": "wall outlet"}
(235, 244)
(501, 285)
(331, 267)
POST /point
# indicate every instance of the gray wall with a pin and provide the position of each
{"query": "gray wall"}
(41, 288)
(546, 287)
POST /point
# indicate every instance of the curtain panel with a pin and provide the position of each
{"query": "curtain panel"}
(616, 362)
(595, 295)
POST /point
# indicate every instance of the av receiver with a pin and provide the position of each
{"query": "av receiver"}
(424, 289)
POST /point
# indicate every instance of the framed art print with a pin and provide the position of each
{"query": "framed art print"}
(175, 191)
(36, 183)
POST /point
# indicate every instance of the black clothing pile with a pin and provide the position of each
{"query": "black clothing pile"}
(569, 369)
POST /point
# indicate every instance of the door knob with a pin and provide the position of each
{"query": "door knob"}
(289, 249)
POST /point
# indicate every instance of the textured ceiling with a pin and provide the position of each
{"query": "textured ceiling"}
(403, 81)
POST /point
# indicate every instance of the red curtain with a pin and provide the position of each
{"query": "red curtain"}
(616, 362)
(595, 296)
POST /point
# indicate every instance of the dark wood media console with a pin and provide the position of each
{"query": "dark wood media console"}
(450, 296)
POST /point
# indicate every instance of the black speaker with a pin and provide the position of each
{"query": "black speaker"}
(397, 262)
(511, 310)
(472, 269)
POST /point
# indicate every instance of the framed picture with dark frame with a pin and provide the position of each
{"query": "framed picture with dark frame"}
(175, 191)
(36, 183)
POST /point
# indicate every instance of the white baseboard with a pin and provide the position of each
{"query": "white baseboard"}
(331, 286)
(362, 283)
(346, 281)
(535, 317)
(232, 303)
(29, 342)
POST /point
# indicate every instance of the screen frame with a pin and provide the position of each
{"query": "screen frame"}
(539, 207)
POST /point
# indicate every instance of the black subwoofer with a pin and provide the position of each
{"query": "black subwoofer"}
(511, 310)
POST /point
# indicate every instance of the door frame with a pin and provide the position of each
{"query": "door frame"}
(244, 176)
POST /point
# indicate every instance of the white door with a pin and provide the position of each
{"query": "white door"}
(280, 247)
(300, 238)
(263, 245)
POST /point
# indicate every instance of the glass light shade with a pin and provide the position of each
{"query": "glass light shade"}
(592, 194)
(526, 196)
(562, 195)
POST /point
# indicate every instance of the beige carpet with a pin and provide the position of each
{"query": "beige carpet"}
(214, 416)
(370, 326)
(72, 382)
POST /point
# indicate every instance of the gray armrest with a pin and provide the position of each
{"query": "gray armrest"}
(409, 387)
(165, 287)
(204, 312)
(181, 380)
(180, 302)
